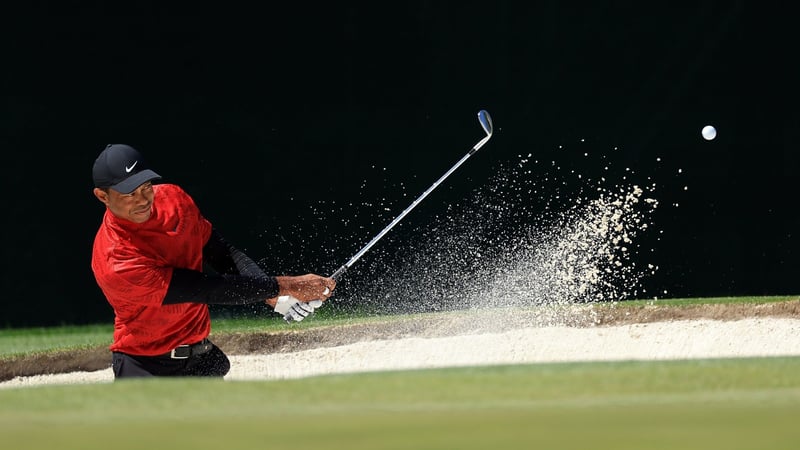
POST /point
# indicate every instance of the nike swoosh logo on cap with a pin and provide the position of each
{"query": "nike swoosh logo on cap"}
(128, 169)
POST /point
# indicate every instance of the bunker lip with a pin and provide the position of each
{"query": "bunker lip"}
(434, 325)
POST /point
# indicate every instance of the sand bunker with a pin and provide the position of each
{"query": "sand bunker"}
(681, 339)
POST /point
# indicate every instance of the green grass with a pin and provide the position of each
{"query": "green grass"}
(18, 341)
(709, 404)
(711, 301)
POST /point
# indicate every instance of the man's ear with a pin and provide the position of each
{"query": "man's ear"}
(101, 195)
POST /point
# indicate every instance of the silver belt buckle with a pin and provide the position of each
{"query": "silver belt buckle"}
(172, 353)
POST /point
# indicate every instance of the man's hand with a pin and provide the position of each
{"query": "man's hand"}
(293, 310)
(299, 296)
(306, 287)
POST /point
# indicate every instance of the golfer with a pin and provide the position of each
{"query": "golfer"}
(160, 263)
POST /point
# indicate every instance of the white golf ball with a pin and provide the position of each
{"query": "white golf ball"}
(709, 132)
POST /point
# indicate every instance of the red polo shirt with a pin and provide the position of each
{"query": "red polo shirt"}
(133, 264)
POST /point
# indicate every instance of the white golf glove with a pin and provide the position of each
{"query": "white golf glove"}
(293, 310)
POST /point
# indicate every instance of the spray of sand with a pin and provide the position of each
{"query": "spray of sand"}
(516, 241)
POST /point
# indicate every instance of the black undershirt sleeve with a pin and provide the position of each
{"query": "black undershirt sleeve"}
(198, 287)
(222, 257)
(229, 277)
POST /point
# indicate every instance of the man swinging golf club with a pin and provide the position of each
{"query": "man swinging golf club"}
(160, 263)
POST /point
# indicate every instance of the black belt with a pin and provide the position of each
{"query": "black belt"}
(189, 350)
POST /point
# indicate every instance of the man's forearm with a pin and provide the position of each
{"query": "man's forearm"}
(197, 287)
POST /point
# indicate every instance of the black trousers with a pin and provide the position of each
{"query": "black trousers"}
(213, 363)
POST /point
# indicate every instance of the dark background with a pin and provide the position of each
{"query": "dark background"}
(274, 117)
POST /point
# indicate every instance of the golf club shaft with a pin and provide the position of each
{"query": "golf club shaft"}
(484, 118)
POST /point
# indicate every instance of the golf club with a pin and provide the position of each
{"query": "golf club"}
(486, 123)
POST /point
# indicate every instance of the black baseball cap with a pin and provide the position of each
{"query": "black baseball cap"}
(122, 168)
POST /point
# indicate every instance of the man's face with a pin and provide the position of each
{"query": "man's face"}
(136, 206)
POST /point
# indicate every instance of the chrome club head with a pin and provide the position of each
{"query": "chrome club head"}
(486, 121)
